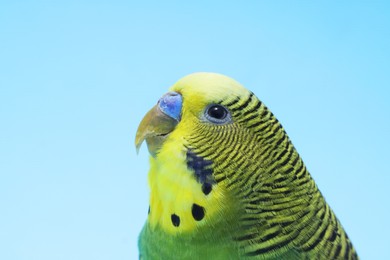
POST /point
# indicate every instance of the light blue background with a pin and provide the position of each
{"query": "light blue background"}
(76, 77)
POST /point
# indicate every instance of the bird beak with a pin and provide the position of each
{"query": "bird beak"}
(159, 122)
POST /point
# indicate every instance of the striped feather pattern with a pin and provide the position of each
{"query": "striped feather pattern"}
(284, 213)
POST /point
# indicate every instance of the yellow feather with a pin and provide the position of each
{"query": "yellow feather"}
(174, 189)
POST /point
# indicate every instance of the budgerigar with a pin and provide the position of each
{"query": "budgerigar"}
(227, 183)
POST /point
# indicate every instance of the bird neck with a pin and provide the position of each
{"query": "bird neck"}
(180, 201)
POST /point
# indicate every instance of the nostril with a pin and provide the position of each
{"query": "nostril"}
(170, 104)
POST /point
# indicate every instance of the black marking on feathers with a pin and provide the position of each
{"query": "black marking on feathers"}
(244, 105)
(175, 220)
(202, 169)
(198, 212)
(206, 188)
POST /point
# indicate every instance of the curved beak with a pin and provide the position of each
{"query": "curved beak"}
(159, 122)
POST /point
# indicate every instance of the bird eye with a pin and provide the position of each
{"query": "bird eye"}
(217, 114)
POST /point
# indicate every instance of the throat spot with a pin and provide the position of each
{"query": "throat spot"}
(202, 169)
(197, 212)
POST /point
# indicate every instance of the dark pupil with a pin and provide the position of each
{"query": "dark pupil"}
(217, 112)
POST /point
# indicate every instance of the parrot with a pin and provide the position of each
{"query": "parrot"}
(226, 182)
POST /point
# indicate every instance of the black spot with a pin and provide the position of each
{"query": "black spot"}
(201, 167)
(206, 188)
(197, 212)
(149, 210)
(175, 220)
